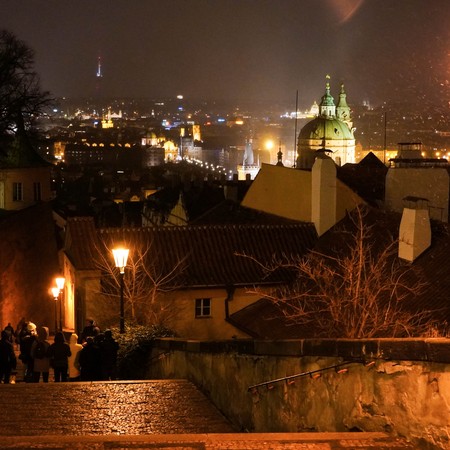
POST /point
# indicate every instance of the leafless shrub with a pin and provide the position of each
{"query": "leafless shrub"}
(359, 289)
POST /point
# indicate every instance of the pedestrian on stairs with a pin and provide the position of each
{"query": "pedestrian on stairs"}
(39, 353)
(59, 353)
(7, 358)
(28, 336)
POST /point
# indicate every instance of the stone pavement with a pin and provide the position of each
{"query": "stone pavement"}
(157, 414)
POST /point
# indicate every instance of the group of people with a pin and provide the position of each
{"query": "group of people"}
(92, 357)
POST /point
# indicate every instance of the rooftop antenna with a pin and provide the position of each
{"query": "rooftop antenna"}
(295, 128)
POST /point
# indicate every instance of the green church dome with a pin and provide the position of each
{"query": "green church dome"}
(325, 128)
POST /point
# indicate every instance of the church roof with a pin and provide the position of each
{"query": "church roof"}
(327, 98)
(342, 102)
(326, 128)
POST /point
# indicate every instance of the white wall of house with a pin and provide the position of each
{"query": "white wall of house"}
(430, 183)
(213, 326)
(24, 187)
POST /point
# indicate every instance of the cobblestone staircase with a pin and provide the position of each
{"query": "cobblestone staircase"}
(157, 414)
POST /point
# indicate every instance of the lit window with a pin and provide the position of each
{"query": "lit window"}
(202, 307)
(17, 192)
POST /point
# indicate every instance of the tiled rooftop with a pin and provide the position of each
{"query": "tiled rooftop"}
(210, 255)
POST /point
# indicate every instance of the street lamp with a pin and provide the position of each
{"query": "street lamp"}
(120, 260)
(60, 284)
(55, 293)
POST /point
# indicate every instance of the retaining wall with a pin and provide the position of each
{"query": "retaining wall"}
(398, 386)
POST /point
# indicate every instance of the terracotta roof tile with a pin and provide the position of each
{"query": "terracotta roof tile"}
(209, 253)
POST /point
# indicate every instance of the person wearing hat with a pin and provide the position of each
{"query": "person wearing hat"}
(25, 351)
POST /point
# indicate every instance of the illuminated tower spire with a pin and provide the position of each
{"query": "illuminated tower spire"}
(99, 67)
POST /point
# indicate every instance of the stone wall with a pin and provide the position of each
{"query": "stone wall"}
(397, 386)
(28, 265)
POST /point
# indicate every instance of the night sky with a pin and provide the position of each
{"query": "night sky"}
(239, 49)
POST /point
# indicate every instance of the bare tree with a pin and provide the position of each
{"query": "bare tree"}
(146, 282)
(21, 98)
(358, 289)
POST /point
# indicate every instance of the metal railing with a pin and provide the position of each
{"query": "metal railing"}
(339, 368)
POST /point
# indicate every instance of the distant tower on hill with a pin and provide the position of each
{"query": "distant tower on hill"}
(99, 67)
(98, 78)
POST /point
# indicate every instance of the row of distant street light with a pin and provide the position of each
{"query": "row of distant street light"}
(120, 255)
(211, 166)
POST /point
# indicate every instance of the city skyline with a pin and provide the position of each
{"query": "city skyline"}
(239, 50)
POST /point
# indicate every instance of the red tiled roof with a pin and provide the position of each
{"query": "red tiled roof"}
(209, 254)
(81, 242)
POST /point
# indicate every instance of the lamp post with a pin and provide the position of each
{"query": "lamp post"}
(60, 284)
(55, 293)
(120, 260)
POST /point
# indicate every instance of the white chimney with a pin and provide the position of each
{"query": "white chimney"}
(415, 233)
(323, 193)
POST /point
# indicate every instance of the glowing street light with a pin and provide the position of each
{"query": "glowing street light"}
(269, 144)
(120, 260)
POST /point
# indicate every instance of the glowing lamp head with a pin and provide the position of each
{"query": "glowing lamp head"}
(60, 283)
(120, 258)
(55, 292)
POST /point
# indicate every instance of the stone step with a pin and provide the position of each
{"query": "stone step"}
(154, 414)
(126, 407)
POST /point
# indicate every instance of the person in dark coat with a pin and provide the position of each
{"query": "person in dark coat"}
(39, 353)
(108, 356)
(89, 360)
(59, 353)
(7, 358)
(10, 330)
(91, 329)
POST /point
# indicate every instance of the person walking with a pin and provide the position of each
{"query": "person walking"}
(39, 353)
(74, 363)
(59, 353)
(27, 337)
(7, 358)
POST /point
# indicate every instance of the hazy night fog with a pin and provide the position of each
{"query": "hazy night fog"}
(239, 49)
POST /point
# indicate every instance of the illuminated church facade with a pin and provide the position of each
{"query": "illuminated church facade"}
(331, 130)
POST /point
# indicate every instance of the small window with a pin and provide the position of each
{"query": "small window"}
(202, 307)
(17, 192)
(37, 192)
